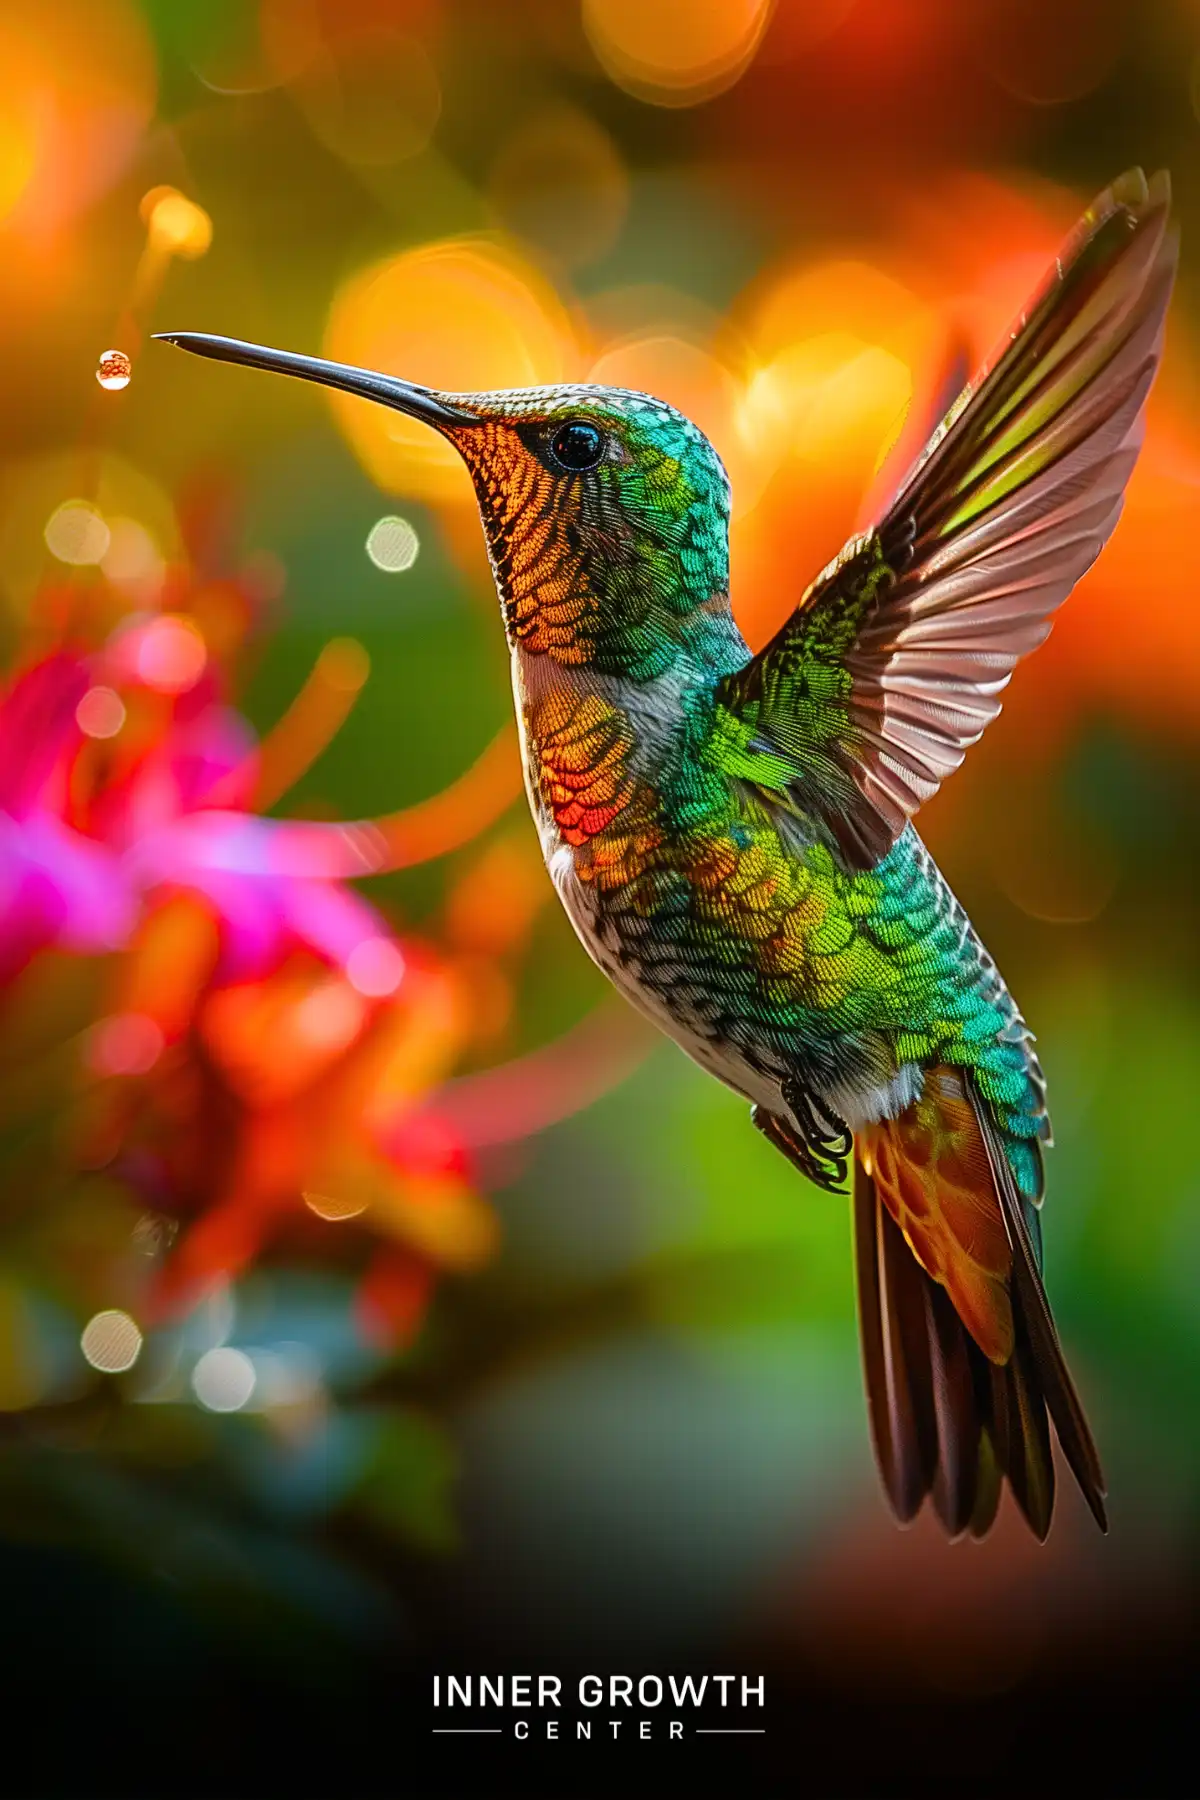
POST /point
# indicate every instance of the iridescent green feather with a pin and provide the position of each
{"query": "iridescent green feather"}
(894, 660)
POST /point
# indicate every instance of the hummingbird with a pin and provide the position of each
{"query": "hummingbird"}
(731, 833)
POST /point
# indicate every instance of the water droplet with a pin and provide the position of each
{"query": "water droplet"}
(114, 370)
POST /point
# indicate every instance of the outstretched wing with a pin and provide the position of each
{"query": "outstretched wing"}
(894, 661)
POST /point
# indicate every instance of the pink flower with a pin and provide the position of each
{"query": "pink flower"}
(181, 821)
(177, 820)
(57, 887)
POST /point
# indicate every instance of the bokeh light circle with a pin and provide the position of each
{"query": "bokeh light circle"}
(77, 88)
(465, 314)
(171, 655)
(111, 1341)
(675, 52)
(1048, 55)
(560, 183)
(223, 1379)
(135, 520)
(101, 712)
(375, 967)
(77, 534)
(373, 98)
(133, 561)
(125, 1043)
(175, 223)
(392, 545)
(329, 1018)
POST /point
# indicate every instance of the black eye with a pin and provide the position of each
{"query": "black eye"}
(577, 445)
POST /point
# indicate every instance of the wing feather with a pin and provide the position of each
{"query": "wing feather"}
(896, 659)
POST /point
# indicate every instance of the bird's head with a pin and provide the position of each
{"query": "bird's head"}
(606, 511)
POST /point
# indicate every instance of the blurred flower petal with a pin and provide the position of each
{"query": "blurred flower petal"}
(37, 726)
(501, 1105)
(57, 888)
(332, 920)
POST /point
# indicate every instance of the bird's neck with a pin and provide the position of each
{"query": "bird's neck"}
(640, 593)
(602, 749)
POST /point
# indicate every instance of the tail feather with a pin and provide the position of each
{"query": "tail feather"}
(1045, 1352)
(1030, 1463)
(988, 1488)
(957, 1486)
(949, 1421)
(900, 1391)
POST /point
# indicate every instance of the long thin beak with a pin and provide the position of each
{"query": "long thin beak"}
(405, 396)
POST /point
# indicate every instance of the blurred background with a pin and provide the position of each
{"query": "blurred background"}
(376, 1294)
